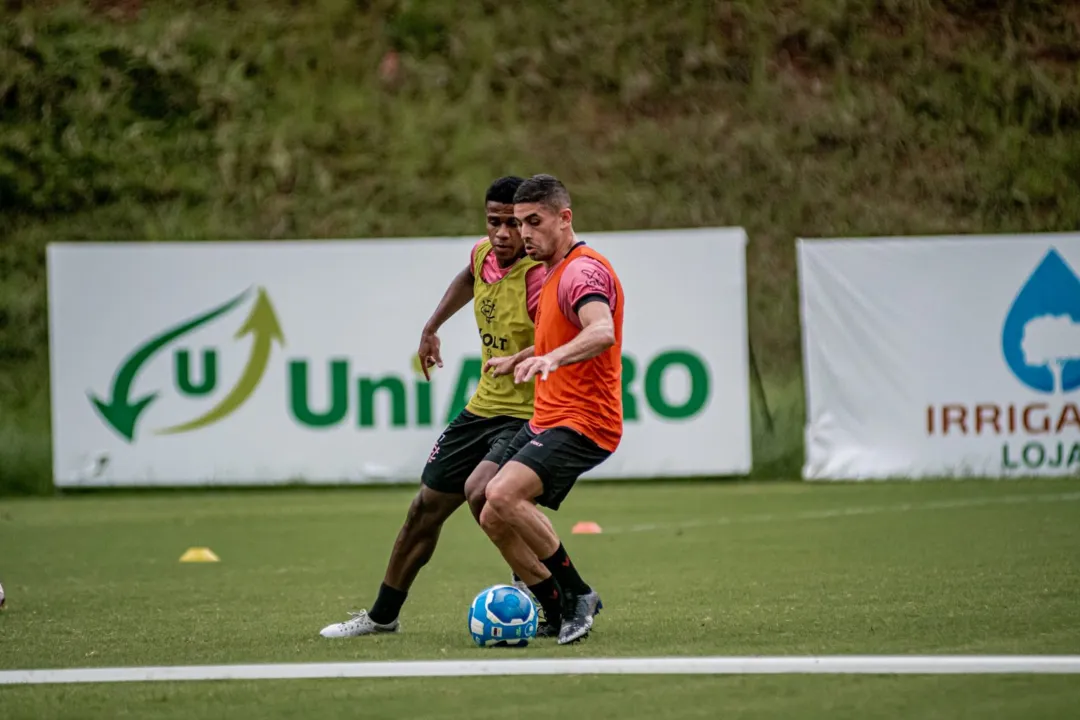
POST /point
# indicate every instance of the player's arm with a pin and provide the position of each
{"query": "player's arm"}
(505, 364)
(597, 335)
(526, 353)
(457, 295)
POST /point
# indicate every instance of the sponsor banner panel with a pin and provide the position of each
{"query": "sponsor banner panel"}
(937, 356)
(273, 362)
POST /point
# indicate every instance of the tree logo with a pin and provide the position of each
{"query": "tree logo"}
(1041, 336)
(121, 411)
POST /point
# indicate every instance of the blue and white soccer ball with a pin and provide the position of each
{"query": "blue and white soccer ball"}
(502, 616)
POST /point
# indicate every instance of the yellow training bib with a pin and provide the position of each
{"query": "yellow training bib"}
(505, 328)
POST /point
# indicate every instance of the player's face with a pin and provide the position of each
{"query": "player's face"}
(502, 231)
(541, 228)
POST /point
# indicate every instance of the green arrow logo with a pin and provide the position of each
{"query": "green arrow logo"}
(122, 413)
(263, 325)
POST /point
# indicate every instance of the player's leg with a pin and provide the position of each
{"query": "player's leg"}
(537, 579)
(517, 554)
(544, 470)
(519, 557)
(529, 573)
(413, 548)
(442, 491)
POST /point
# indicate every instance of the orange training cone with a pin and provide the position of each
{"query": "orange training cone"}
(586, 527)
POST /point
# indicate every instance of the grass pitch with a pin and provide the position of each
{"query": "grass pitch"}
(684, 569)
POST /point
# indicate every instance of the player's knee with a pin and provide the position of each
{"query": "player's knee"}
(477, 502)
(501, 496)
(424, 514)
(475, 487)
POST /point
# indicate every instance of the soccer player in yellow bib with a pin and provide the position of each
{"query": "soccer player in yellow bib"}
(504, 286)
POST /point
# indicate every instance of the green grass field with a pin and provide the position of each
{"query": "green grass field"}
(693, 569)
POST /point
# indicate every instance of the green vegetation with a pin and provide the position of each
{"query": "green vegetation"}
(343, 118)
(690, 569)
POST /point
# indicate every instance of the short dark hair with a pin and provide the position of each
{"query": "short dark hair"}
(503, 189)
(544, 189)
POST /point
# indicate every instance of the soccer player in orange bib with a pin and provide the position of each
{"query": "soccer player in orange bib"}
(577, 417)
(504, 287)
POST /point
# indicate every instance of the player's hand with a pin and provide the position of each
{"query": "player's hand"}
(430, 353)
(530, 368)
(499, 366)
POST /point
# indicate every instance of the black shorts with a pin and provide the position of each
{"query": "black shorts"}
(558, 455)
(465, 442)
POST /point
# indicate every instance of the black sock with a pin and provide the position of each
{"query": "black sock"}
(516, 577)
(548, 595)
(565, 573)
(387, 605)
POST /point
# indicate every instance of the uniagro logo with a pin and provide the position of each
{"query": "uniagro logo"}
(122, 412)
(1040, 344)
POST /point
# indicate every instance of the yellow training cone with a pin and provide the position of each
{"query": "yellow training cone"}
(197, 554)
(586, 527)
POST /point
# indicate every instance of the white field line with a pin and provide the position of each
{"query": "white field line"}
(847, 512)
(831, 665)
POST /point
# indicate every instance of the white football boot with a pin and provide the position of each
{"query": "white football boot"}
(358, 624)
(520, 585)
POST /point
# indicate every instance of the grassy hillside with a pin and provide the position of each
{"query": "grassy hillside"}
(132, 120)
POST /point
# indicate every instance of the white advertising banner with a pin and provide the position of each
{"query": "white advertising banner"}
(941, 356)
(274, 362)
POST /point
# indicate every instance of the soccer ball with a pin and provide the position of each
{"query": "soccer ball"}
(502, 616)
(1, 596)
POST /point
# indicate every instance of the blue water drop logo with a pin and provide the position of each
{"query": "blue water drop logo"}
(1041, 337)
